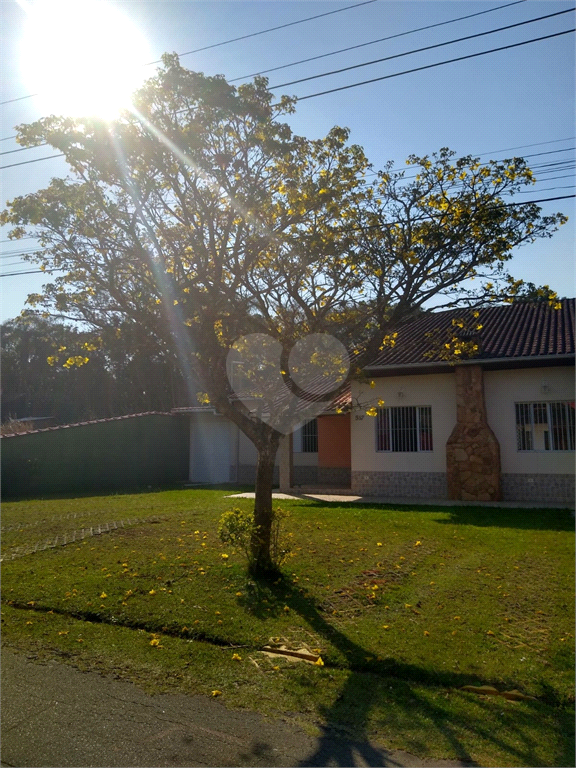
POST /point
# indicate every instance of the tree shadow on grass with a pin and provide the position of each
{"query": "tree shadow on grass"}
(522, 519)
(405, 698)
(544, 519)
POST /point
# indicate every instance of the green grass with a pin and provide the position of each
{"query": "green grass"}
(406, 605)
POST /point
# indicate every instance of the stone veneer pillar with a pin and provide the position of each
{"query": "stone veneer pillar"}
(472, 450)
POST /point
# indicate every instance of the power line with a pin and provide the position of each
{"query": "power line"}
(26, 162)
(12, 240)
(375, 61)
(373, 42)
(547, 189)
(419, 50)
(525, 146)
(431, 66)
(526, 202)
(271, 29)
(391, 37)
(232, 40)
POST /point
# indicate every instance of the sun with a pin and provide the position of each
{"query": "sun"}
(82, 57)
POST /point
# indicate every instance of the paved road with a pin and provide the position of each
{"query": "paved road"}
(56, 716)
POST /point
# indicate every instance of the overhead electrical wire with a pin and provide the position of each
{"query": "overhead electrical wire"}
(373, 42)
(373, 80)
(526, 202)
(400, 34)
(232, 40)
(419, 50)
(437, 64)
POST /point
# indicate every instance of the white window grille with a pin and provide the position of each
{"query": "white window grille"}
(305, 438)
(547, 426)
(405, 428)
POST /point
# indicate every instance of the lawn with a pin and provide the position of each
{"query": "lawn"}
(404, 605)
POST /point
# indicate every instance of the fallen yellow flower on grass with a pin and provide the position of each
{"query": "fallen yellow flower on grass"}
(286, 609)
(426, 633)
(152, 592)
(236, 657)
(490, 632)
(224, 556)
(378, 543)
(155, 641)
(64, 632)
(29, 622)
(238, 594)
(103, 595)
(216, 693)
(319, 662)
(418, 544)
(385, 626)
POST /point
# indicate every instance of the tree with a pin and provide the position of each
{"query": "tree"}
(50, 368)
(46, 371)
(202, 218)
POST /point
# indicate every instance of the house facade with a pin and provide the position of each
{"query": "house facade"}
(496, 425)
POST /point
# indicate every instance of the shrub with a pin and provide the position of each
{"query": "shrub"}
(236, 527)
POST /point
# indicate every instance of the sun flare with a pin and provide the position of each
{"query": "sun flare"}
(82, 57)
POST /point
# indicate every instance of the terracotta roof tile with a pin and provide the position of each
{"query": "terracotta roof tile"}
(512, 331)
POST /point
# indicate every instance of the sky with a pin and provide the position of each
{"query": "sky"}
(514, 102)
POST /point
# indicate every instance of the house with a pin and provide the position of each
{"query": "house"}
(497, 424)
(493, 422)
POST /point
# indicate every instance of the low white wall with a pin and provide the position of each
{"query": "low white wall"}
(505, 388)
(436, 390)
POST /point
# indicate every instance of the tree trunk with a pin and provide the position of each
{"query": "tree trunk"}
(260, 546)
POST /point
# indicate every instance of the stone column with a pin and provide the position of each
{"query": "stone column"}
(472, 450)
(286, 462)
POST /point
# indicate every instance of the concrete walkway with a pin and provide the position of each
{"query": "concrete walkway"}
(342, 496)
(56, 716)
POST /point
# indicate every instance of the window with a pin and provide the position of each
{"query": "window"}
(545, 426)
(406, 428)
(306, 438)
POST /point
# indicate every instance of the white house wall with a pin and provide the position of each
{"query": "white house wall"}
(505, 388)
(418, 475)
(529, 475)
(526, 475)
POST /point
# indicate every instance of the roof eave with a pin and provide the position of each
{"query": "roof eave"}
(490, 363)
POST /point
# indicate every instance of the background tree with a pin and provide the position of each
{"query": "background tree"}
(51, 368)
(201, 218)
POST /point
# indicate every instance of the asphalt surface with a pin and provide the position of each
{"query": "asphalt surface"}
(55, 716)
